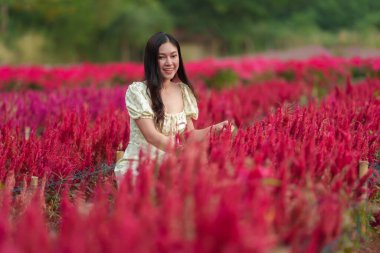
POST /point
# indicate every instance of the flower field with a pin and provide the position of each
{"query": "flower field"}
(300, 174)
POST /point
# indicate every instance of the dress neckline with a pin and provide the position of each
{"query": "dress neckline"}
(183, 103)
(181, 85)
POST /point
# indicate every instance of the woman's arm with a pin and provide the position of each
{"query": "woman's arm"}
(201, 134)
(153, 136)
(163, 142)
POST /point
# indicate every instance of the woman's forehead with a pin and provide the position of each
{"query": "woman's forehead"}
(167, 48)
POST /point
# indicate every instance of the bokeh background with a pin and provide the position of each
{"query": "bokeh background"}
(300, 174)
(71, 31)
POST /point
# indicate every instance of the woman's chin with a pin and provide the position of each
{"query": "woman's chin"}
(168, 77)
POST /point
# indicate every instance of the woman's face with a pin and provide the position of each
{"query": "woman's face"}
(168, 60)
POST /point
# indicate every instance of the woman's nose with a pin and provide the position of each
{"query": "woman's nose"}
(168, 61)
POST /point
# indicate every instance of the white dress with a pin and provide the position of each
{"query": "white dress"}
(139, 106)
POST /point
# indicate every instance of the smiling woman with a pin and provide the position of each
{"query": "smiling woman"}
(160, 107)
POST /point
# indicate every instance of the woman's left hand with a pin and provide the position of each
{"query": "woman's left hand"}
(224, 124)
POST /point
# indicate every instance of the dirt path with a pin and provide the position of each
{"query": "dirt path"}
(314, 50)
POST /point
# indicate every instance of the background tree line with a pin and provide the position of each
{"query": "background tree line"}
(65, 31)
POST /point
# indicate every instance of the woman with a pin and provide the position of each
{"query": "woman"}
(161, 106)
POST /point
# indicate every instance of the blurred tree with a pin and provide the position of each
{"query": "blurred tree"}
(132, 25)
(110, 30)
(4, 8)
(226, 22)
(340, 14)
(230, 22)
(92, 29)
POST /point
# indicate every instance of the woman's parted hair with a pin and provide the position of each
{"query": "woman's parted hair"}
(153, 75)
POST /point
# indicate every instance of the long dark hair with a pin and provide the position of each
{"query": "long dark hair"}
(153, 77)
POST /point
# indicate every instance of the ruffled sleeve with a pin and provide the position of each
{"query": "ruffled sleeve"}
(138, 101)
(190, 102)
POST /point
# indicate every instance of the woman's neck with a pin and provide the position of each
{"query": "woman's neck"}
(166, 84)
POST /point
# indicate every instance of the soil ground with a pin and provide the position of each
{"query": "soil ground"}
(314, 50)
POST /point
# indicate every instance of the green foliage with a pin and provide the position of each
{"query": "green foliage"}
(16, 86)
(338, 14)
(364, 72)
(90, 30)
(260, 77)
(222, 79)
(287, 74)
(359, 72)
(113, 30)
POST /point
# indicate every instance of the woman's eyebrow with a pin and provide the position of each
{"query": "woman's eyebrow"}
(174, 52)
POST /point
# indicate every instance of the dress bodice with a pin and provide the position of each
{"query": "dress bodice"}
(138, 103)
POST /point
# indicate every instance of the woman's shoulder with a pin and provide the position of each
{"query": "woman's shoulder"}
(137, 85)
(182, 84)
(186, 88)
(190, 102)
(137, 101)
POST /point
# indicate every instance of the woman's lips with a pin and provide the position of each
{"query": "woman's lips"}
(168, 71)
